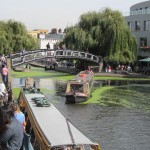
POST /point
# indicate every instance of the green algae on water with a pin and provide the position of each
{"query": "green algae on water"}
(96, 95)
(133, 96)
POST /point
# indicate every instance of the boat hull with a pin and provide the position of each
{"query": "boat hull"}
(72, 99)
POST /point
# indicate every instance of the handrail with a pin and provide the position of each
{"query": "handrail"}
(19, 59)
(69, 129)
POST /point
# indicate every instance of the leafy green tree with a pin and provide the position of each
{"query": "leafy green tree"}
(105, 34)
(14, 37)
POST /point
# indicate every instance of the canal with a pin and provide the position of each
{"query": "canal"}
(118, 118)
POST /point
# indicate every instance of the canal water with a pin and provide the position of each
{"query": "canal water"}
(120, 120)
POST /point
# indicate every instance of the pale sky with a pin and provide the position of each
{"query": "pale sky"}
(48, 14)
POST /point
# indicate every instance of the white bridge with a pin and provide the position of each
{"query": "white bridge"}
(30, 56)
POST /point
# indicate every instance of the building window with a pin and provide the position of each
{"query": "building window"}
(141, 11)
(131, 13)
(147, 10)
(130, 26)
(147, 25)
(143, 42)
(137, 25)
(136, 12)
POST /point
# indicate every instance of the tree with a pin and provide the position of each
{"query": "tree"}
(14, 37)
(75, 38)
(105, 33)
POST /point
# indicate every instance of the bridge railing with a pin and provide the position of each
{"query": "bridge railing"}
(18, 58)
(76, 54)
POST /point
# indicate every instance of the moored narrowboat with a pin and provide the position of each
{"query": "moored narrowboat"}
(79, 89)
(49, 129)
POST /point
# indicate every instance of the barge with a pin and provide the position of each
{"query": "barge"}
(48, 128)
(79, 89)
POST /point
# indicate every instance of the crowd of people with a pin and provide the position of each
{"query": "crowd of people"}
(4, 88)
(127, 68)
(11, 128)
(12, 120)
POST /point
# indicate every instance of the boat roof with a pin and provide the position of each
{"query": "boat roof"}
(57, 129)
(82, 77)
(76, 82)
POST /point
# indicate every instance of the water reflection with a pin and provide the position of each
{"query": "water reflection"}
(118, 82)
(40, 83)
(115, 128)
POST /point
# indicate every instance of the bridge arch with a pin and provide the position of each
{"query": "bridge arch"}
(30, 56)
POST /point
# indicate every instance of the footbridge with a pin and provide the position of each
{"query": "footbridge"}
(35, 55)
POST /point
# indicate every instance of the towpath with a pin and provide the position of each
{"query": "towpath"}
(72, 70)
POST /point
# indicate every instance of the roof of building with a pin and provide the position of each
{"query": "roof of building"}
(41, 30)
(140, 5)
(54, 36)
(145, 60)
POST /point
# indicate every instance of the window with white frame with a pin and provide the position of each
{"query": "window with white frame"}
(137, 26)
(147, 25)
(130, 25)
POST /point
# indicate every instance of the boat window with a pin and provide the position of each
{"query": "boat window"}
(85, 147)
(86, 72)
(57, 148)
(76, 87)
(80, 88)
(88, 147)
(78, 148)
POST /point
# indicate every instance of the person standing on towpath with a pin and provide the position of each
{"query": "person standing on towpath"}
(4, 74)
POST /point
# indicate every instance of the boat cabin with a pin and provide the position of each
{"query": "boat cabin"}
(79, 89)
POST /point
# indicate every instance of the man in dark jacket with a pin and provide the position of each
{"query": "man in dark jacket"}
(11, 132)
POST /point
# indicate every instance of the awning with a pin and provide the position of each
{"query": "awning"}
(145, 60)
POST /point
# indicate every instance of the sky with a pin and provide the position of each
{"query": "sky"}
(48, 14)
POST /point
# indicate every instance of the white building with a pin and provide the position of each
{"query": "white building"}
(52, 39)
(139, 24)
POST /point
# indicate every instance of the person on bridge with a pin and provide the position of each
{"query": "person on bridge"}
(48, 46)
(22, 54)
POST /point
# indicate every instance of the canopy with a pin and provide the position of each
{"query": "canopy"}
(145, 60)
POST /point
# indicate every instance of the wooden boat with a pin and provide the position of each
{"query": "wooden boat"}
(79, 89)
(50, 129)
